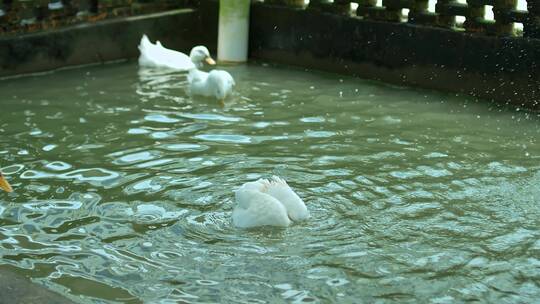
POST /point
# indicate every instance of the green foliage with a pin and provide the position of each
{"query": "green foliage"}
(236, 8)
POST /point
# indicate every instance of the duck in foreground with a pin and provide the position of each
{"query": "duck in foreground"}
(158, 56)
(4, 185)
(267, 202)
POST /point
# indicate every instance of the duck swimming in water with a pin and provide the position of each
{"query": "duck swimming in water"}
(267, 202)
(217, 83)
(157, 56)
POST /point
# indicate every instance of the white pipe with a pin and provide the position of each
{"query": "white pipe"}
(233, 30)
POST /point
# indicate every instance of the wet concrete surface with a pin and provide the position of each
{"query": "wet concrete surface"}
(17, 289)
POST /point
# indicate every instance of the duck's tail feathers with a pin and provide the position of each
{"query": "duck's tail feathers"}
(278, 180)
(145, 43)
(147, 49)
(273, 182)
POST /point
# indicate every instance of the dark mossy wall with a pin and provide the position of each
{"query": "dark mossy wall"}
(503, 69)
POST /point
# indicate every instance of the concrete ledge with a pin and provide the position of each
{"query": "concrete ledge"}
(16, 289)
(505, 70)
(98, 42)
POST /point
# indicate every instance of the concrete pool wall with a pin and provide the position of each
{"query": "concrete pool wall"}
(498, 68)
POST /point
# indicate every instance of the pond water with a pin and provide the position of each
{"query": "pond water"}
(123, 190)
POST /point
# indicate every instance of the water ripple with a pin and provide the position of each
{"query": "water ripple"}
(413, 197)
(227, 138)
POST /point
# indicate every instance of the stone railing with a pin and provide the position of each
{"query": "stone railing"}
(19, 16)
(505, 13)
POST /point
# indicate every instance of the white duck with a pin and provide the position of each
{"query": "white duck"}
(216, 83)
(267, 203)
(156, 55)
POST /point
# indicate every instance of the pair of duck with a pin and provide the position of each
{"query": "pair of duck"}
(216, 83)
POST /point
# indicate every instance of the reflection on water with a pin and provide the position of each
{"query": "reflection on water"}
(124, 190)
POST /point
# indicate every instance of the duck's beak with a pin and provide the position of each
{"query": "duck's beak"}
(4, 185)
(210, 61)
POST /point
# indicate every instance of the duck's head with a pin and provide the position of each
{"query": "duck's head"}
(4, 185)
(200, 54)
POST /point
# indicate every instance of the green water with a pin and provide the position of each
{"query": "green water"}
(123, 190)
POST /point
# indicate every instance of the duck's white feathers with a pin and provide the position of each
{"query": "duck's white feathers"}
(267, 203)
(156, 55)
(255, 208)
(216, 83)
